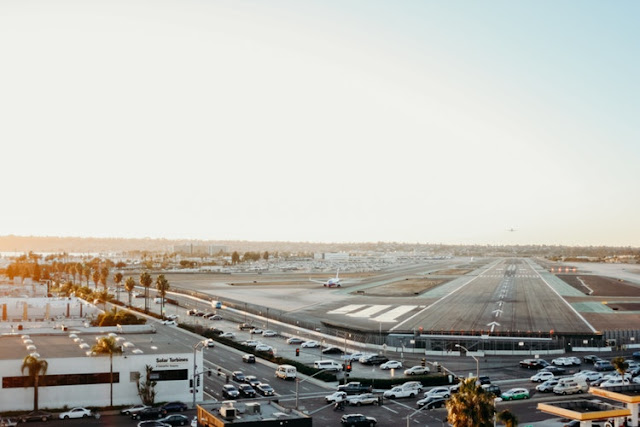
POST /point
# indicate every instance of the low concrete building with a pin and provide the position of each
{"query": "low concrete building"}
(250, 414)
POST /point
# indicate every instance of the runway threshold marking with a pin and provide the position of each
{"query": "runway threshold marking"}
(391, 315)
(346, 309)
(368, 312)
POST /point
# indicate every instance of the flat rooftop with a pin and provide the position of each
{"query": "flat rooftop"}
(583, 410)
(51, 343)
(246, 412)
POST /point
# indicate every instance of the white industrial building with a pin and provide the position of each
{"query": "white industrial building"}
(331, 256)
(76, 377)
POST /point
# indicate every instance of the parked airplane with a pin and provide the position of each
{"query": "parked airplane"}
(334, 282)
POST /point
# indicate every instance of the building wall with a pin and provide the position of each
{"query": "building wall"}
(124, 392)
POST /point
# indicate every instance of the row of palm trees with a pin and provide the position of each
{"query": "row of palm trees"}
(145, 280)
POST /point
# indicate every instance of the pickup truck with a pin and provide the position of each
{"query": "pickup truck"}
(355, 388)
(534, 363)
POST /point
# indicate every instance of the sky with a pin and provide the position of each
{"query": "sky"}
(322, 121)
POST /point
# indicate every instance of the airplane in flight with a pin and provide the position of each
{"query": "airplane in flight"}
(334, 282)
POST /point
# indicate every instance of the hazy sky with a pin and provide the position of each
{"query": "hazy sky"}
(324, 121)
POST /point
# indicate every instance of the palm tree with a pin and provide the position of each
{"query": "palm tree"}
(472, 406)
(117, 279)
(620, 365)
(146, 280)
(162, 285)
(95, 276)
(104, 276)
(107, 345)
(86, 270)
(36, 367)
(508, 418)
(130, 285)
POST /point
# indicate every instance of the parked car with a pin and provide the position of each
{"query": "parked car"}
(35, 416)
(132, 409)
(156, 423)
(230, 391)
(575, 360)
(515, 394)
(417, 370)
(603, 365)
(237, 376)
(431, 402)
(246, 390)
(556, 370)
(248, 358)
(215, 317)
(77, 412)
(337, 396)
(174, 407)
(547, 386)
(590, 358)
(295, 340)
(541, 377)
(264, 347)
(483, 379)
(363, 399)
(228, 335)
(265, 389)
(439, 392)
(562, 361)
(310, 344)
(175, 420)
(590, 376)
(614, 382)
(8, 422)
(357, 420)
(391, 364)
(636, 354)
(216, 331)
(250, 343)
(493, 389)
(172, 317)
(256, 331)
(149, 414)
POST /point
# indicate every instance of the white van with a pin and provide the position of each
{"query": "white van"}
(571, 385)
(327, 365)
(286, 372)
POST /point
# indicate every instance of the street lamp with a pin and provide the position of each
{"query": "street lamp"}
(474, 358)
(195, 374)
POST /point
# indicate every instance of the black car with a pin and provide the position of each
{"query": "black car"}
(555, 370)
(216, 331)
(375, 359)
(484, 380)
(252, 380)
(156, 423)
(590, 358)
(36, 416)
(238, 376)
(230, 391)
(265, 389)
(174, 407)
(357, 420)
(176, 420)
(149, 414)
(246, 390)
(492, 388)
(437, 402)
(332, 350)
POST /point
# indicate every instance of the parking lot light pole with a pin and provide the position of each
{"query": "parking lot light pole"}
(193, 389)
(474, 358)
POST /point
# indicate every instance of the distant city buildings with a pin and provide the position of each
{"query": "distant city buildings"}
(194, 249)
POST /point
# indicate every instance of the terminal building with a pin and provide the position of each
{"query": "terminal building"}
(75, 376)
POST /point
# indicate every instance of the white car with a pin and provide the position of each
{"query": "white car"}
(256, 331)
(338, 396)
(575, 360)
(76, 413)
(541, 377)
(170, 322)
(589, 375)
(439, 392)
(210, 343)
(173, 317)
(614, 382)
(562, 361)
(416, 370)
(391, 364)
(269, 333)
(228, 335)
(251, 343)
(310, 344)
(397, 392)
(194, 421)
(264, 347)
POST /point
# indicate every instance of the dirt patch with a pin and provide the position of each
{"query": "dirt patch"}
(603, 322)
(624, 306)
(601, 286)
(453, 272)
(405, 288)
